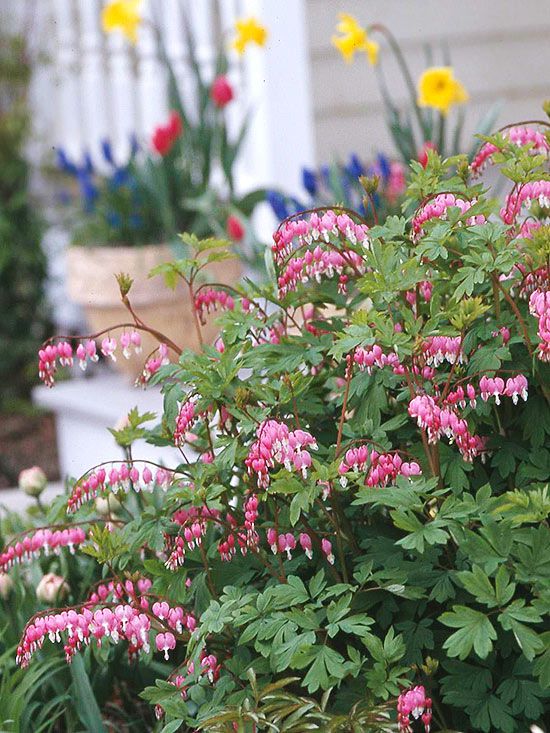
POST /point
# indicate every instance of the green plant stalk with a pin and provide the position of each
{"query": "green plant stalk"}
(405, 71)
(441, 135)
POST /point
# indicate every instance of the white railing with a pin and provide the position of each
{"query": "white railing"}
(105, 88)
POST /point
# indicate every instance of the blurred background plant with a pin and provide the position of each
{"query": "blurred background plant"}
(22, 261)
(339, 182)
(113, 209)
(181, 179)
(422, 125)
(424, 122)
(24, 323)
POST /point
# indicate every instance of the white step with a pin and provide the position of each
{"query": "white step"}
(85, 408)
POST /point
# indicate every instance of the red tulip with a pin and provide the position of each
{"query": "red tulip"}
(423, 154)
(234, 227)
(221, 91)
(175, 124)
(165, 136)
(161, 141)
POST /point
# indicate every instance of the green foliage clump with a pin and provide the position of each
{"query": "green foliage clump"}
(22, 261)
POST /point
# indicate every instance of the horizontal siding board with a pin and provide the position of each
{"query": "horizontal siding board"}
(500, 53)
(366, 133)
(431, 20)
(491, 68)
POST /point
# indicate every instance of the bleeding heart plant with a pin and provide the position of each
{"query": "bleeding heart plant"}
(361, 505)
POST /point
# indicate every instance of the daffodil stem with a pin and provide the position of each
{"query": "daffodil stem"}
(396, 49)
(441, 137)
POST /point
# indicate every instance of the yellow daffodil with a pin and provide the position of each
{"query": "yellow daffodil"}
(248, 30)
(438, 88)
(122, 15)
(354, 39)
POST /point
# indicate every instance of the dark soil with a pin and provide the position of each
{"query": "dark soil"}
(27, 440)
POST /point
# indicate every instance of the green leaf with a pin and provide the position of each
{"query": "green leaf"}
(525, 506)
(443, 589)
(304, 619)
(536, 421)
(392, 496)
(392, 649)
(487, 358)
(492, 715)
(504, 590)
(541, 665)
(482, 549)
(523, 696)
(514, 618)
(358, 624)
(291, 593)
(172, 727)
(478, 584)
(300, 503)
(528, 640)
(475, 631)
(420, 534)
(317, 584)
(215, 617)
(84, 700)
(418, 638)
(327, 669)
(338, 609)
(469, 689)
(284, 653)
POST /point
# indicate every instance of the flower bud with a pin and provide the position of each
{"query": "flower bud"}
(423, 152)
(463, 168)
(369, 183)
(6, 584)
(33, 481)
(235, 229)
(107, 505)
(221, 91)
(242, 397)
(125, 283)
(51, 588)
(122, 423)
(430, 666)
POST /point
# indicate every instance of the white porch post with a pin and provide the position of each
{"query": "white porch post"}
(68, 130)
(120, 81)
(151, 77)
(281, 135)
(92, 78)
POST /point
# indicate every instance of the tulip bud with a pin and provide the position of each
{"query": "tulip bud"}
(221, 91)
(423, 153)
(51, 588)
(235, 229)
(105, 506)
(33, 481)
(6, 584)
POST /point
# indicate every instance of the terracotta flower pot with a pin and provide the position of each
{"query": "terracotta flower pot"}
(92, 284)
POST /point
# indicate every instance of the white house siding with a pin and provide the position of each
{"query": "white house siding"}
(500, 50)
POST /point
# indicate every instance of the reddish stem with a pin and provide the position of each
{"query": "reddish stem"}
(349, 374)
